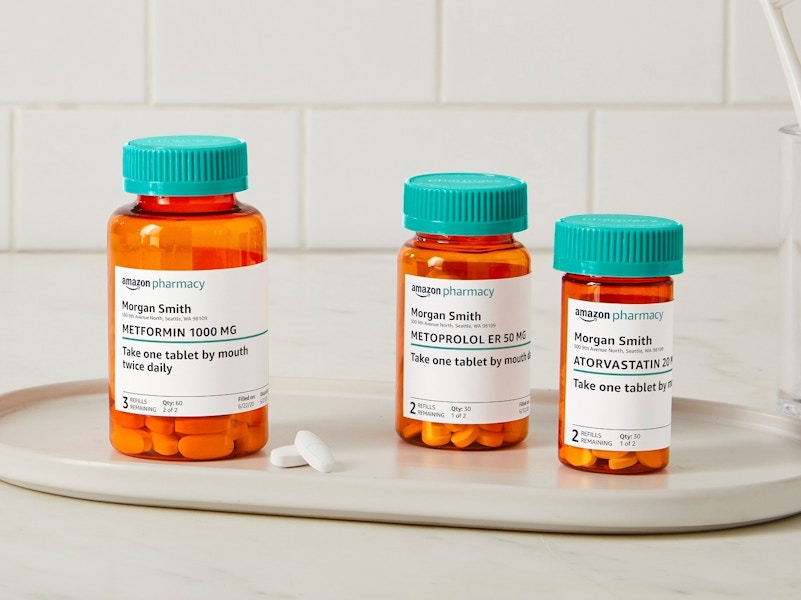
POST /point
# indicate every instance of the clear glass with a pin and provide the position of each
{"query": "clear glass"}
(789, 393)
(456, 257)
(177, 234)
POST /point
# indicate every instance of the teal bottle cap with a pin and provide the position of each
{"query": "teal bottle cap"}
(185, 165)
(466, 204)
(619, 246)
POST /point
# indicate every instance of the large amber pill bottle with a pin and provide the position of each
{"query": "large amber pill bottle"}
(616, 376)
(188, 349)
(463, 313)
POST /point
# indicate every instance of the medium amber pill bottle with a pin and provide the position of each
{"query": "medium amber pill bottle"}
(187, 271)
(463, 313)
(616, 375)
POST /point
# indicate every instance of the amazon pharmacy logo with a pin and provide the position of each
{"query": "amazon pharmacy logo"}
(424, 291)
(134, 284)
(589, 316)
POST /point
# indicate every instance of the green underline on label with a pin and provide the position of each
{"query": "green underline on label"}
(580, 426)
(474, 349)
(622, 374)
(246, 337)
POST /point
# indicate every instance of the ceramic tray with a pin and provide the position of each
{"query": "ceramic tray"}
(730, 466)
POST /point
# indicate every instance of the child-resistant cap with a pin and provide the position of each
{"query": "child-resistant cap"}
(465, 204)
(185, 165)
(618, 246)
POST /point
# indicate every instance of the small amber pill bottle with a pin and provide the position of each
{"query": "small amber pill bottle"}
(464, 309)
(616, 376)
(188, 370)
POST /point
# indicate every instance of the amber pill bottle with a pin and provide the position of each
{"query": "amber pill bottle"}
(463, 313)
(188, 351)
(616, 374)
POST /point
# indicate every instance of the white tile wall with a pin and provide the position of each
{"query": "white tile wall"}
(78, 51)
(756, 74)
(359, 159)
(583, 51)
(5, 179)
(667, 106)
(68, 179)
(704, 168)
(253, 51)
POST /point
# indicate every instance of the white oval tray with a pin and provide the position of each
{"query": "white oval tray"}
(730, 466)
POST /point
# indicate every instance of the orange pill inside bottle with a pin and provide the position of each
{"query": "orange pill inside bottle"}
(463, 313)
(616, 366)
(187, 304)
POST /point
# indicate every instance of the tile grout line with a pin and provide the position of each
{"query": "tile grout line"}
(149, 31)
(12, 181)
(592, 161)
(511, 107)
(303, 172)
(728, 53)
(439, 49)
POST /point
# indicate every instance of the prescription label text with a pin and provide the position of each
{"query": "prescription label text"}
(191, 343)
(618, 375)
(467, 349)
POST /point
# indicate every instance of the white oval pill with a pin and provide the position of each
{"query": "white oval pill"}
(287, 456)
(314, 450)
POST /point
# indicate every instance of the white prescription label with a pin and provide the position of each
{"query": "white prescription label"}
(467, 349)
(618, 375)
(190, 343)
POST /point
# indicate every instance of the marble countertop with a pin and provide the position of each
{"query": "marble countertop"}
(332, 317)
